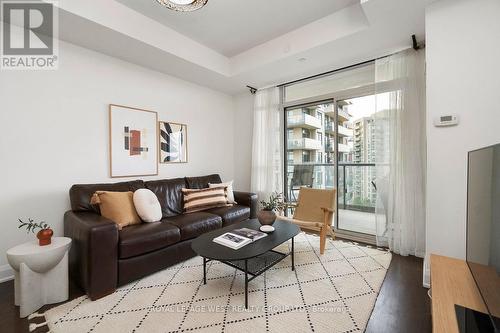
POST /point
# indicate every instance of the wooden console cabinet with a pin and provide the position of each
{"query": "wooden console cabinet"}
(451, 283)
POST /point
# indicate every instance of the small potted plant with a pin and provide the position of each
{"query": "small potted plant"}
(44, 235)
(274, 204)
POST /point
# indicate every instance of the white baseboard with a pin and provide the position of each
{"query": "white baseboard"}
(427, 273)
(6, 273)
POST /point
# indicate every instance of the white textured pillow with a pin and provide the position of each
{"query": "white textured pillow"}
(147, 205)
(229, 190)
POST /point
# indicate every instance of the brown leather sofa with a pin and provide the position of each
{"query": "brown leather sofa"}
(102, 257)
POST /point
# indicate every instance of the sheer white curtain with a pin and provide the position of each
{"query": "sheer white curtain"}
(400, 152)
(267, 149)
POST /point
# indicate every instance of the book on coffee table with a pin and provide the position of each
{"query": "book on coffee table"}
(249, 233)
(238, 238)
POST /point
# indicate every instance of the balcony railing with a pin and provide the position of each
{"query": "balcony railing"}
(304, 143)
(344, 148)
(330, 147)
(342, 130)
(345, 131)
(303, 121)
(343, 115)
(355, 187)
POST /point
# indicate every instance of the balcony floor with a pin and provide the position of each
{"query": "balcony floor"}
(357, 221)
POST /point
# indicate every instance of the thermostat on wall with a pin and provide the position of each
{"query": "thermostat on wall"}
(448, 120)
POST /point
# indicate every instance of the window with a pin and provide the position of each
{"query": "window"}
(306, 133)
(306, 156)
(320, 136)
(290, 157)
(319, 157)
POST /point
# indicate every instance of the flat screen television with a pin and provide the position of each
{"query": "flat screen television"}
(483, 238)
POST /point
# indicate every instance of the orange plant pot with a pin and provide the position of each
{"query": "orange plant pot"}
(44, 236)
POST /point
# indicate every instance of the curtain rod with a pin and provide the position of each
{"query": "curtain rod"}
(415, 46)
(327, 73)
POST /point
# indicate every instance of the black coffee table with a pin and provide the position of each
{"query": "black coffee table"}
(253, 259)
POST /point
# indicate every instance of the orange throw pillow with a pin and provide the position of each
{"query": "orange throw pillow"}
(117, 206)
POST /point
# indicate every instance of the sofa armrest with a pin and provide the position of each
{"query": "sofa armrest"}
(247, 199)
(94, 253)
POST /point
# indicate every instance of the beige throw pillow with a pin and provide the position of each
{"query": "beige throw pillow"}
(229, 190)
(117, 206)
(205, 198)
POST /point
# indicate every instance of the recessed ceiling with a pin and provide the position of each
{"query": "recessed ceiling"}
(233, 26)
(361, 31)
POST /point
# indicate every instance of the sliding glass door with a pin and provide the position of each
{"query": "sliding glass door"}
(329, 144)
(356, 167)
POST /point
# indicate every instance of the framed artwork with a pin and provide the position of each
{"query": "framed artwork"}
(173, 142)
(133, 147)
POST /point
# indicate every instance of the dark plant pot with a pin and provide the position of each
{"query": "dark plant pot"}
(266, 217)
(44, 236)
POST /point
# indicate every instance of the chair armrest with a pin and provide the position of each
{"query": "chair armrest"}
(93, 255)
(247, 199)
(328, 216)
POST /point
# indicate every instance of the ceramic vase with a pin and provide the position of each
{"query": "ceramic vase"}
(266, 217)
(44, 236)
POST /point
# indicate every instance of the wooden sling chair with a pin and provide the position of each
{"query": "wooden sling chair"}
(314, 211)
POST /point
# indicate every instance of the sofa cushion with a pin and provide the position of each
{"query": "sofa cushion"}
(229, 190)
(203, 181)
(203, 199)
(80, 194)
(147, 205)
(139, 239)
(194, 224)
(231, 214)
(117, 207)
(169, 193)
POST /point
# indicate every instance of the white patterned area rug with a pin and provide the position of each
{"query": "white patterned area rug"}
(333, 292)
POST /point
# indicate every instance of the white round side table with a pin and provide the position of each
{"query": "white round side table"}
(41, 273)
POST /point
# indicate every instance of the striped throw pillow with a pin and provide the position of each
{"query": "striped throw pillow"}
(205, 198)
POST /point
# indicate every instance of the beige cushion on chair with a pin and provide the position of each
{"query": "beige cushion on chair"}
(310, 204)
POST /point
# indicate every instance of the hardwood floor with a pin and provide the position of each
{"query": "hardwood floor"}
(9, 314)
(402, 305)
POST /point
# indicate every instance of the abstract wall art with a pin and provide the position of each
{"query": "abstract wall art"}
(173, 142)
(132, 141)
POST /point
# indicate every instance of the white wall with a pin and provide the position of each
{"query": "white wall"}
(463, 78)
(243, 129)
(55, 132)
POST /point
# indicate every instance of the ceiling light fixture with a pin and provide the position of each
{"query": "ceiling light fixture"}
(183, 5)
